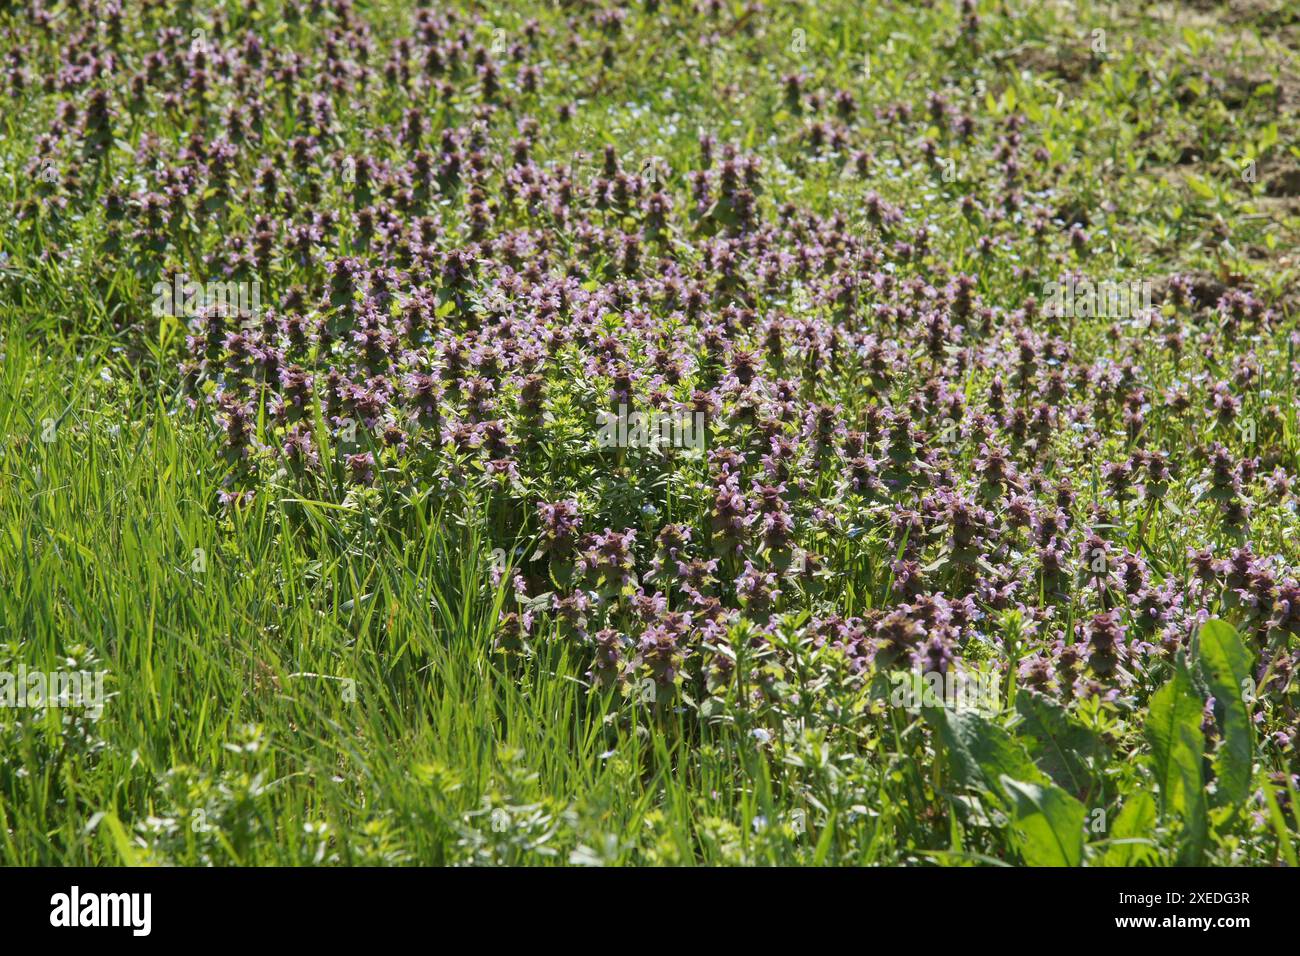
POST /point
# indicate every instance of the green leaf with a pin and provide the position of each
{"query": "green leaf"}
(1173, 728)
(1284, 842)
(1200, 186)
(1047, 823)
(1058, 744)
(1136, 822)
(825, 843)
(1268, 137)
(979, 751)
(126, 851)
(1226, 663)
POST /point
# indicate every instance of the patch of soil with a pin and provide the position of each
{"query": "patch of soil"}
(1207, 288)
(1266, 14)
(1072, 213)
(1071, 63)
(1283, 183)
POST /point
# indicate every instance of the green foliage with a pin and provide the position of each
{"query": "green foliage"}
(1131, 838)
(1067, 751)
(1226, 665)
(1173, 729)
(1047, 821)
(312, 680)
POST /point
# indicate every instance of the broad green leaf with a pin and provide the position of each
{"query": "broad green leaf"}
(1136, 821)
(1173, 728)
(1058, 744)
(1225, 663)
(1047, 822)
(979, 751)
(1174, 708)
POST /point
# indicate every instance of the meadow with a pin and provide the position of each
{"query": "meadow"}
(649, 433)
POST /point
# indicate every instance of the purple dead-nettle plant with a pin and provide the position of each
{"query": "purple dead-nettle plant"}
(708, 401)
